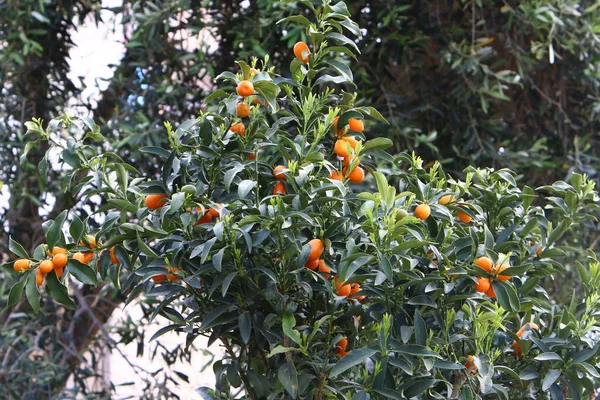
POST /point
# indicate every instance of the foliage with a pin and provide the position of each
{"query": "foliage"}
(239, 276)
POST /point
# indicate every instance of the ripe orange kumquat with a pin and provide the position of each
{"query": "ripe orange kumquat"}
(324, 269)
(445, 199)
(278, 172)
(316, 249)
(242, 110)
(422, 211)
(342, 148)
(483, 284)
(22, 265)
(60, 260)
(357, 175)
(279, 189)
(312, 264)
(245, 88)
(156, 201)
(238, 128)
(356, 125)
(464, 217)
(336, 176)
(485, 263)
(46, 266)
(301, 51)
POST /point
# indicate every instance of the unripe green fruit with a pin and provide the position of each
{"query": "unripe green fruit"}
(189, 189)
(400, 213)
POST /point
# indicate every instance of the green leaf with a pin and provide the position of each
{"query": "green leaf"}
(414, 350)
(550, 378)
(17, 291)
(350, 360)
(245, 326)
(288, 376)
(17, 249)
(164, 330)
(507, 296)
(82, 272)
(379, 143)
(288, 323)
(59, 292)
(54, 234)
(245, 187)
(32, 292)
(420, 329)
(76, 228)
(415, 388)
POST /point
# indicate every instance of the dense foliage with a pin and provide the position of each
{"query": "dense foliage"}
(467, 83)
(260, 233)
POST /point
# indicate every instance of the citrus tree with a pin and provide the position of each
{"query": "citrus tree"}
(325, 266)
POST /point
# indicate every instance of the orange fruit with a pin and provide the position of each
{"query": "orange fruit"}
(204, 219)
(59, 272)
(354, 288)
(279, 189)
(518, 351)
(251, 156)
(539, 250)
(245, 88)
(499, 270)
(88, 256)
(316, 249)
(324, 269)
(532, 326)
(482, 285)
(56, 250)
(22, 264)
(215, 212)
(242, 110)
(470, 364)
(172, 277)
(277, 172)
(39, 277)
(341, 148)
(343, 289)
(79, 256)
(159, 278)
(357, 175)
(46, 266)
(336, 176)
(155, 201)
(238, 128)
(464, 217)
(351, 141)
(490, 292)
(356, 125)
(301, 51)
(89, 241)
(422, 211)
(113, 257)
(337, 131)
(60, 260)
(342, 344)
(257, 100)
(445, 199)
(348, 160)
(312, 264)
(485, 263)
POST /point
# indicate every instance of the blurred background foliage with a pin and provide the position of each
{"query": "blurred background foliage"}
(496, 83)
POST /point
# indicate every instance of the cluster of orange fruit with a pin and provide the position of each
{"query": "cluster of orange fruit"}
(170, 277)
(422, 211)
(340, 347)
(59, 257)
(156, 201)
(484, 285)
(278, 174)
(315, 263)
(345, 148)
